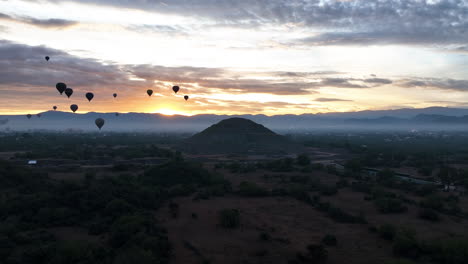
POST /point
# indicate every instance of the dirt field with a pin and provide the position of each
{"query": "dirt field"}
(291, 224)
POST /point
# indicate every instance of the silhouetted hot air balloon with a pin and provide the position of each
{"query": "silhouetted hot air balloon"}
(47, 58)
(186, 97)
(175, 88)
(38, 115)
(29, 116)
(89, 96)
(99, 123)
(55, 107)
(115, 95)
(61, 87)
(149, 92)
(69, 92)
(74, 107)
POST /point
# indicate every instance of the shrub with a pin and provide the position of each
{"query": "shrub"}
(299, 179)
(329, 240)
(390, 205)
(303, 160)
(317, 253)
(433, 202)
(229, 218)
(387, 231)
(399, 261)
(174, 209)
(452, 251)
(342, 183)
(252, 189)
(405, 244)
(328, 190)
(429, 214)
(264, 236)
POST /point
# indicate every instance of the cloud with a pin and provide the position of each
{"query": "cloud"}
(385, 37)
(355, 22)
(44, 23)
(304, 74)
(378, 81)
(161, 29)
(323, 99)
(434, 83)
(26, 70)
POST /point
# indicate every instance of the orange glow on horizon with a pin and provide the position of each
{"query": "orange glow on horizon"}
(170, 112)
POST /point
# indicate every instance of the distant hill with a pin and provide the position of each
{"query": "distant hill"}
(432, 118)
(237, 135)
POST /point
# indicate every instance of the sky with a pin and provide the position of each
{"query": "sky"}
(233, 56)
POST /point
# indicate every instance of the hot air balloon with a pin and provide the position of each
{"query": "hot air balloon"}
(29, 116)
(69, 92)
(99, 123)
(47, 58)
(175, 88)
(38, 115)
(149, 92)
(89, 96)
(61, 87)
(74, 107)
(55, 107)
(115, 95)
(186, 97)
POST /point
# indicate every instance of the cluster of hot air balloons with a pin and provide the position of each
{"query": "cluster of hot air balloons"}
(174, 88)
(62, 88)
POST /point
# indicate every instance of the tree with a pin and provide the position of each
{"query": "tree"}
(387, 231)
(229, 218)
(303, 159)
(329, 240)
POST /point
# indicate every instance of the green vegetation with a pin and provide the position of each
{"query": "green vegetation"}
(251, 189)
(117, 209)
(329, 240)
(390, 205)
(229, 218)
(387, 231)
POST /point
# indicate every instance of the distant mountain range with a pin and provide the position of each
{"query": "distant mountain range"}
(433, 118)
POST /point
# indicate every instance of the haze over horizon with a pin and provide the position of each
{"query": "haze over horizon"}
(233, 57)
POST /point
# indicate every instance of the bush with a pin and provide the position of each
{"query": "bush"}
(251, 189)
(390, 205)
(264, 236)
(299, 179)
(429, 214)
(329, 240)
(229, 218)
(387, 231)
(399, 261)
(426, 189)
(341, 183)
(130, 255)
(433, 202)
(405, 244)
(317, 253)
(452, 251)
(174, 209)
(303, 160)
(328, 190)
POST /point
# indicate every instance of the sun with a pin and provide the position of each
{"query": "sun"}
(170, 112)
